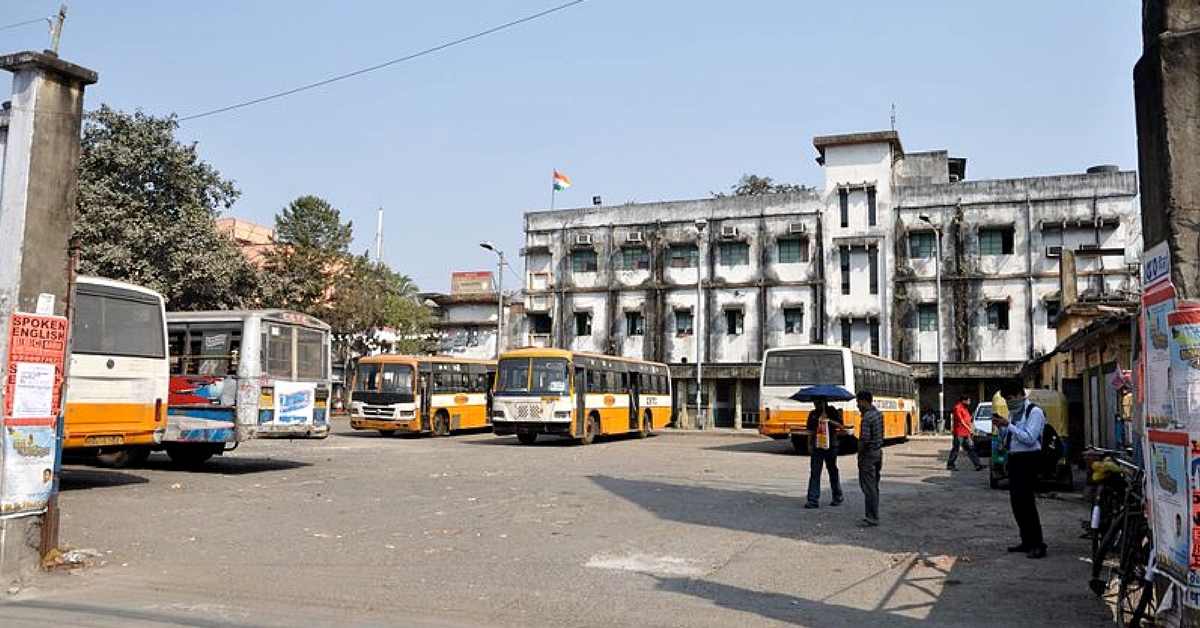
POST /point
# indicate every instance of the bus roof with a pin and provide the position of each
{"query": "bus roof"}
(396, 358)
(544, 352)
(113, 283)
(218, 316)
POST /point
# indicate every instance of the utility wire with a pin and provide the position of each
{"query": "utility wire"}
(342, 77)
(26, 23)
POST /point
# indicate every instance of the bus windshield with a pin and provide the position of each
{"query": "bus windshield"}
(809, 368)
(397, 378)
(537, 375)
(118, 325)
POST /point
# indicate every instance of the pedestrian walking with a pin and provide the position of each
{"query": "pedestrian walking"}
(1021, 436)
(870, 454)
(823, 452)
(962, 435)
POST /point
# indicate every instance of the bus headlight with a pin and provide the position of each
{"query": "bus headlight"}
(562, 414)
(497, 414)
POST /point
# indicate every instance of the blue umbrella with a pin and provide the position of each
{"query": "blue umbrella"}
(823, 392)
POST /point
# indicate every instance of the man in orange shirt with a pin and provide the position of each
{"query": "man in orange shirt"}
(962, 434)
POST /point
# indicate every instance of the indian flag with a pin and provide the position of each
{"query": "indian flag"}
(561, 181)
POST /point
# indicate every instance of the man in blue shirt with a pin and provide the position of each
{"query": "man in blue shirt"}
(1021, 435)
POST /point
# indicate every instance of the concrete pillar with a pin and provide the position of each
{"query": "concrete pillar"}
(1166, 80)
(37, 202)
(737, 404)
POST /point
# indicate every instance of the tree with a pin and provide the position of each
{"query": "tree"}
(311, 256)
(754, 185)
(375, 297)
(145, 210)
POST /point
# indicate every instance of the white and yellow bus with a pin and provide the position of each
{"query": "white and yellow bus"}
(117, 382)
(786, 370)
(578, 395)
(420, 394)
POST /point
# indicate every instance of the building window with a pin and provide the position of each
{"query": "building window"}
(844, 254)
(540, 323)
(844, 206)
(583, 323)
(683, 323)
(1052, 306)
(995, 241)
(635, 259)
(793, 320)
(871, 213)
(927, 317)
(635, 324)
(997, 315)
(873, 261)
(793, 251)
(875, 337)
(922, 245)
(1052, 235)
(733, 322)
(583, 261)
(734, 254)
(847, 326)
(684, 256)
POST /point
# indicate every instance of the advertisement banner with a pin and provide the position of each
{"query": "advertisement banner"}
(294, 402)
(32, 390)
(1159, 412)
(1184, 327)
(1172, 502)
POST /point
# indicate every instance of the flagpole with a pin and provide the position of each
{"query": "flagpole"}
(553, 189)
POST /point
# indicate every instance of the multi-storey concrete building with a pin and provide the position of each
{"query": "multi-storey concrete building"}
(859, 264)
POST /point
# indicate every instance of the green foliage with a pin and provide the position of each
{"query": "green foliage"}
(313, 272)
(754, 185)
(145, 210)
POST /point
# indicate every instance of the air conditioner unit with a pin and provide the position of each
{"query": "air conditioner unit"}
(797, 227)
(583, 238)
(729, 232)
(1054, 251)
(634, 236)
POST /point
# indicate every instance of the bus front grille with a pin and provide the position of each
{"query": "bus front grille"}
(528, 411)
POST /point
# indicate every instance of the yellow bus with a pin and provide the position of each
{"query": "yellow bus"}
(578, 395)
(788, 369)
(117, 381)
(420, 394)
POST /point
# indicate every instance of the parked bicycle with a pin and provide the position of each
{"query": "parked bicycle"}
(1125, 550)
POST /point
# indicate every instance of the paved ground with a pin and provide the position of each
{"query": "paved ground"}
(683, 529)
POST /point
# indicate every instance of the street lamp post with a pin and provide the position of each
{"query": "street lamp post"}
(937, 232)
(701, 223)
(499, 293)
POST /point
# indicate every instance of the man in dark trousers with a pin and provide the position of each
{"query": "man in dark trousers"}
(870, 455)
(962, 435)
(823, 454)
(1021, 436)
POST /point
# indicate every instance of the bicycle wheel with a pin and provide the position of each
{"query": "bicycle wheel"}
(1105, 558)
(1135, 594)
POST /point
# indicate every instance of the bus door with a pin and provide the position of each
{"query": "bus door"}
(425, 395)
(581, 389)
(635, 390)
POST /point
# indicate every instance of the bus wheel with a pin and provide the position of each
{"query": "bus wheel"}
(192, 454)
(123, 458)
(387, 432)
(527, 438)
(590, 428)
(647, 425)
(441, 424)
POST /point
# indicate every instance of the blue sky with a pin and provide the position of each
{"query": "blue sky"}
(635, 100)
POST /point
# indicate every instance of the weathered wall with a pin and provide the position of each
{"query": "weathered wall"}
(1166, 81)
